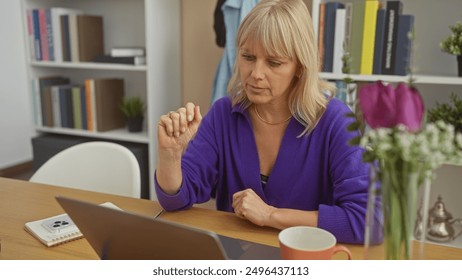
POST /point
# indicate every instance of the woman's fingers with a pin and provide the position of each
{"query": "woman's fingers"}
(167, 123)
(177, 122)
(190, 111)
(183, 122)
(175, 117)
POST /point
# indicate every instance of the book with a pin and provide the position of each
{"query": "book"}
(77, 107)
(132, 60)
(56, 105)
(329, 34)
(45, 98)
(65, 38)
(83, 107)
(378, 43)
(403, 53)
(73, 38)
(89, 37)
(337, 62)
(58, 229)
(37, 111)
(109, 94)
(348, 19)
(56, 23)
(322, 10)
(47, 107)
(90, 102)
(66, 107)
(43, 33)
(127, 51)
(54, 230)
(393, 11)
(370, 20)
(30, 33)
(356, 39)
(314, 12)
(51, 45)
(37, 44)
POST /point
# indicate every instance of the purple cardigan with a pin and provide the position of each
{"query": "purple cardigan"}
(319, 171)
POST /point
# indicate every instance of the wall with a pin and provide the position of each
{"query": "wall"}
(200, 53)
(15, 114)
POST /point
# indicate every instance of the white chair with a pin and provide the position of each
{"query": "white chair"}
(97, 166)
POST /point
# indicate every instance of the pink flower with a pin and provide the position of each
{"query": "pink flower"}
(383, 106)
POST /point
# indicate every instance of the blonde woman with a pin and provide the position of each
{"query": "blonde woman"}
(275, 152)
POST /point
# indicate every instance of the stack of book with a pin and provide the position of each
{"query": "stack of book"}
(369, 31)
(93, 106)
(64, 34)
(124, 55)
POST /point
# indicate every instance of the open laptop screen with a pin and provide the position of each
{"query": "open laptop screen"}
(116, 234)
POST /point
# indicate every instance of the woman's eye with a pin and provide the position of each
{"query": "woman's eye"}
(247, 57)
(274, 63)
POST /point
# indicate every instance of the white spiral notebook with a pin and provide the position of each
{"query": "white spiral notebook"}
(58, 229)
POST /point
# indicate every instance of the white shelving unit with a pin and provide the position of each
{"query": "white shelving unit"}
(435, 71)
(154, 24)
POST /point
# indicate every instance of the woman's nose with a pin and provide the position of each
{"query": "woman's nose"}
(258, 71)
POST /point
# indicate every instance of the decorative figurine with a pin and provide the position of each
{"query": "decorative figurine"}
(441, 223)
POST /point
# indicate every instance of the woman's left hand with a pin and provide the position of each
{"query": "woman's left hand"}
(248, 205)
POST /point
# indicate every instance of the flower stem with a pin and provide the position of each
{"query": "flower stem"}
(400, 181)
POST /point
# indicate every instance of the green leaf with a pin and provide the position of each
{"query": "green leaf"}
(351, 115)
(353, 126)
(355, 141)
(368, 157)
(348, 80)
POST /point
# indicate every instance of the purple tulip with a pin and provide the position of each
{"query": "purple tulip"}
(383, 106)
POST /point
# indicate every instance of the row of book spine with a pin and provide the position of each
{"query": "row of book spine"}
(64, 34)
(92, 106)
(374, 34)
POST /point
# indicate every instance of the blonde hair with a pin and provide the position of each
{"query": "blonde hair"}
(284, 29)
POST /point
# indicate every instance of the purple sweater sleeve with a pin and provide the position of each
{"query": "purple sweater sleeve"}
(199, 168)
(345, 217)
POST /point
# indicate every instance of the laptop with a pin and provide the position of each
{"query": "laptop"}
(121, 235)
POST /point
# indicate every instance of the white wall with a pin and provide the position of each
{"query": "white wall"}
(16, 129)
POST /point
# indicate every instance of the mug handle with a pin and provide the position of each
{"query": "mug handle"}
(340, 248)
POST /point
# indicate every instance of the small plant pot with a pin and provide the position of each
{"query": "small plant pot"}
(135, 124)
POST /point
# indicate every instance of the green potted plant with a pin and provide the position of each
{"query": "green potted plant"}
(453, 44)
(450, 112)
(133, 109)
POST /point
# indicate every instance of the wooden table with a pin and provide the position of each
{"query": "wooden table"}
(22, 201)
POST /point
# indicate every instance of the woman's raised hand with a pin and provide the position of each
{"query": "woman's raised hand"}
(176, 128)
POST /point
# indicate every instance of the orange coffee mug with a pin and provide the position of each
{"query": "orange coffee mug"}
(309, 243)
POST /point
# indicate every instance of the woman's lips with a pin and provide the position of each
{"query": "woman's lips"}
(255, 89)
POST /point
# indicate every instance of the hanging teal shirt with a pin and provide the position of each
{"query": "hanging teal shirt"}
(234, 12)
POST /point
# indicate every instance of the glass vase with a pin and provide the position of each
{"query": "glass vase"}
(397, 205)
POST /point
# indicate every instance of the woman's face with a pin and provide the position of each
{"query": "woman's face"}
(266, 79)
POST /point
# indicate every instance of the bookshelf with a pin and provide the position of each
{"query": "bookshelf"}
(435, 72)
(152, 24)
